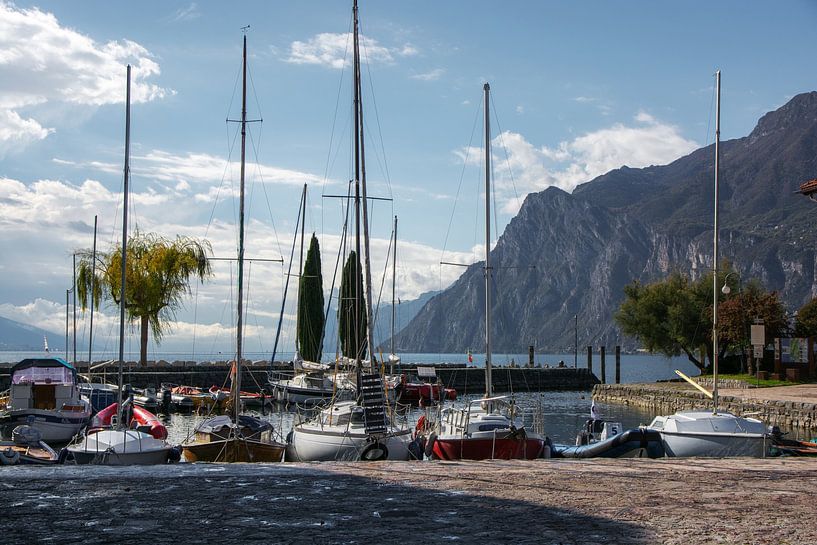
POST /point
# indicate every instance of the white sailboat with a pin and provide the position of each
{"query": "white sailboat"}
(487, 428)
(360, 429)
(241, 438)
(716, 433)
(120, 445)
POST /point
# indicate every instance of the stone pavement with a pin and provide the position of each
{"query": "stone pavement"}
(671, 501)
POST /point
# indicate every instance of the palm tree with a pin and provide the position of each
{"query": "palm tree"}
(157, 277)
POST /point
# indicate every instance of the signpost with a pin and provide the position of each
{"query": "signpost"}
(758, 337)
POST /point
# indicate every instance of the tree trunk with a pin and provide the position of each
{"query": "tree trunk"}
(143, 342)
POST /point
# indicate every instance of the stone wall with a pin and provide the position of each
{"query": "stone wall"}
(796, 417)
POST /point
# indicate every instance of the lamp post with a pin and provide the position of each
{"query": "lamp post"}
(726, 290)
(576, 344)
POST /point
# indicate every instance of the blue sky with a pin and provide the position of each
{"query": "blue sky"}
(579, 88)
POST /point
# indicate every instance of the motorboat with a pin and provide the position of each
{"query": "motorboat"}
(44, 395)
(120, 447)
(339, 432)
(711, 434)
(98, 394)
(312, 388)
(412, 389)
(27, 447)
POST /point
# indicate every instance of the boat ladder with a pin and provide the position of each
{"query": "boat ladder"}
(374, 403)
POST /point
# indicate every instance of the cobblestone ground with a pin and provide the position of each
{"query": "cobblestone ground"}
(673, 501)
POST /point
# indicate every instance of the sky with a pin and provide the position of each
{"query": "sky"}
(578, 89)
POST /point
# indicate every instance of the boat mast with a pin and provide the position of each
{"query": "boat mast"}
(300, 274)
(393, 293)
(237, 380)
(488, 378)
(93, 289)
(715, 247)
(356, 264)
(124, 253)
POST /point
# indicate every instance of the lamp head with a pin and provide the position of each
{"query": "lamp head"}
(726, 290)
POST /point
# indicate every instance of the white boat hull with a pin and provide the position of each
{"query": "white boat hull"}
(713, 445)
(308, 445)
(120, 448)
(54, 426)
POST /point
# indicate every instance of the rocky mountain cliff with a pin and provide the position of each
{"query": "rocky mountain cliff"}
(574, 253)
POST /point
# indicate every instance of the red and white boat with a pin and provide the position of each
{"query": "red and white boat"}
(484, 428)
(411, 389)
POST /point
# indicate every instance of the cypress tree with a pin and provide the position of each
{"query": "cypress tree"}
(352, 335)
(310, 304)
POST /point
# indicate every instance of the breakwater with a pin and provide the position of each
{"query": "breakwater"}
(797, 417)
(466, 380)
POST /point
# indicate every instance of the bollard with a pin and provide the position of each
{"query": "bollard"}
(603, 373)
(530, 355)
(590, 359)
(618, 364)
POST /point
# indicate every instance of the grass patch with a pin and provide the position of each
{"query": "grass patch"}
(752, 379)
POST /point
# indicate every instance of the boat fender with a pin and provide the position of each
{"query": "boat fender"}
(374, 452)
(421, 424)
(429, 450)
(65, 456)
(175, 454)
(289, 437)
(9, 457)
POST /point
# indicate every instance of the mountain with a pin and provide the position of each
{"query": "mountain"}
(19, 336)
(573, 253)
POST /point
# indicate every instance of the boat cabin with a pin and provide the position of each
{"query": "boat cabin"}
(43, 383)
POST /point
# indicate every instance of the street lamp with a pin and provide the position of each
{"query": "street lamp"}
(726, 290)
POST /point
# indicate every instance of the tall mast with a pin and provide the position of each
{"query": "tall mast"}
(237, 380)
(74, 299)
(93, 289)
(124, 252)
(302, 214)
(356, 264)
(393, 292)
(488, 378)
(715, 247)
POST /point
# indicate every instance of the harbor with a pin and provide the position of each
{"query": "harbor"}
(637, 501)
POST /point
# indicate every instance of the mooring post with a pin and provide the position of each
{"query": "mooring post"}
(618, 364)
(530, 356)
(603, 370)
(590, 359)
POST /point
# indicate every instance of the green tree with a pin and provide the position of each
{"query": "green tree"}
(157, 276)
(352, 332)
(805, 325)
(310, 304)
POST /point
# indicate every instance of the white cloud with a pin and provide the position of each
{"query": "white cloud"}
(570, 163)
(335, 50)
(16, 132)
(432, 75)
(187, 13)
(43, 62)
(520, 109)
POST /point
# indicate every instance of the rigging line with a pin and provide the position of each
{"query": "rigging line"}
(709, 121)
(223, 178)
(255, 95)
(459, 187)
(505, 149)
(385, 165)
(383, 279)
(260, 175)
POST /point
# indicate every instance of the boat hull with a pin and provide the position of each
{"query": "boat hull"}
(635, 443)
(233, 450)
(39, 454)
(120, 448)
(713, 445)
(54, 426)
(315, 445)
(457, 448)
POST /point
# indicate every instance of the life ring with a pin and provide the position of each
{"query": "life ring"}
(430, 444)
(9, 457)
(374, 452)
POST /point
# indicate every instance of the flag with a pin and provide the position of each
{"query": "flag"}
(470, 357)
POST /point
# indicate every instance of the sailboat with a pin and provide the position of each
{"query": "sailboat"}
(716, 433)
(486, 428)
(119, 445)
(236, 438)
(359, 429)
(312, 381)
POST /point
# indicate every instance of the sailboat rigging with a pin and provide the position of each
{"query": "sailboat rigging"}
(485, 428)
(359, 429)
(236, 438)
